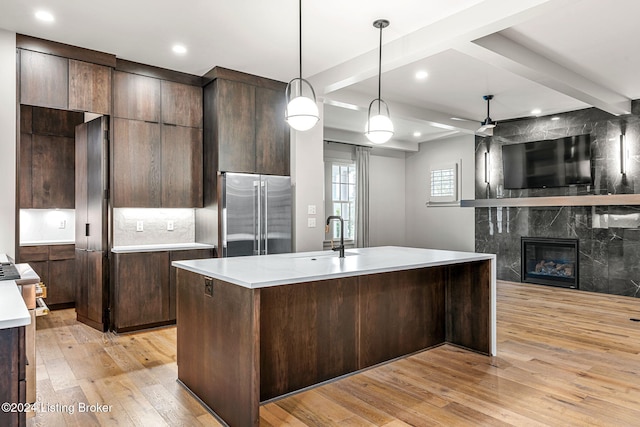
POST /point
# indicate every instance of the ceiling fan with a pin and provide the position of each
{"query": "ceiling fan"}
(487, 125)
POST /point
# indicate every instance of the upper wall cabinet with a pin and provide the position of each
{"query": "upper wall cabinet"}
(89, 87)
(44, 80)
(136, 97)
(66, 84)
(244, 121)
(181, 104)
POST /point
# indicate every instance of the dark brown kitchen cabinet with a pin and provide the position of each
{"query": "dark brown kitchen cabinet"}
(92, 226)
(46, 164)
(145, 287)
(181, 104)
(180, 256)
(56, 267)
(156, 165)
(272, 133)
(137, 164)
(44, 80)
(89, 87)
(13, 374)
(181, 154)
(136, 97)
(234, 125)
(25, 172)
(244, 125)
(141, 290)
(53, 172)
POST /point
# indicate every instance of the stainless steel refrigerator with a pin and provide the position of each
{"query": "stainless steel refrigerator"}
(256, 214)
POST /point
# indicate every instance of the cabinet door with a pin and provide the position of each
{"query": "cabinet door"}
(82, 284)
(180, 256)
(61, 288)
(181, 167)
(136, 164)
(136, 97)
(44, 80)
(53, 172)
(141, 289)
(89, 87)
(235, 126)
(272, 133)
(97, 183)
(181, 104)
(26, 195)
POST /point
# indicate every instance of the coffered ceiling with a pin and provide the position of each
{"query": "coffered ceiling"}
(549, 55)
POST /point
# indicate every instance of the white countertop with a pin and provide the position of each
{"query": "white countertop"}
(282, 269)
(48, 243)
(13, 310)
(160, 247)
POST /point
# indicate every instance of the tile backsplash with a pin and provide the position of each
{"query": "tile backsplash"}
(154, 224)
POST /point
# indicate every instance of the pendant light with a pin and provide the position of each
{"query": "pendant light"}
(379, 127)
(301, 112)
(487, 123)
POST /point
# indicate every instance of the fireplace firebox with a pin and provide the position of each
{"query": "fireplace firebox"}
(549, 261)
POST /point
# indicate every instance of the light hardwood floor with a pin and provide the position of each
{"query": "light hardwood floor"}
(565, 358)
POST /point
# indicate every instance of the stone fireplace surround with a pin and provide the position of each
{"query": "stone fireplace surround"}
(609, 236)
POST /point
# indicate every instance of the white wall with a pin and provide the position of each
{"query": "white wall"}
(307, 178)
(440, 227)
(7, 141)
(387, 221)
(39, 226)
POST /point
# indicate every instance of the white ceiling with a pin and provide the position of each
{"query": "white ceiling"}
(554, 55)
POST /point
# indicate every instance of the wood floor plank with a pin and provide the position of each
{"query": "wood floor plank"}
(565, 358)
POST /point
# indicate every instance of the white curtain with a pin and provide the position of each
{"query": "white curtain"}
(362, 197)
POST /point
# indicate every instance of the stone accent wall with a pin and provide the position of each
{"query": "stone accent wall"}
(609, 236)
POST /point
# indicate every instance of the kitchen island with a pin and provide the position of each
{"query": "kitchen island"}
(251, 329)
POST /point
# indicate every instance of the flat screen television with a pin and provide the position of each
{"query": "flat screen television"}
(549, 163)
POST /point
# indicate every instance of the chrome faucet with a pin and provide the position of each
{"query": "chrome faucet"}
(326, 229)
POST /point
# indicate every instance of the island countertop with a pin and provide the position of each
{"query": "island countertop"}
(282, 269)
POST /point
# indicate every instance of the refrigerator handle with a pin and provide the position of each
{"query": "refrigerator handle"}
(257, 221)
(266, 217)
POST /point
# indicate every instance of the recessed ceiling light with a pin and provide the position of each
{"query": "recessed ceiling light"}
(536, 111)
(44, 16)
(417, 134)
(421, 75)
(179, 49)
(555, 118)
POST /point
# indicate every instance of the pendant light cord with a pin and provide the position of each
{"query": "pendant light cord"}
(300, 44)
(380, 70)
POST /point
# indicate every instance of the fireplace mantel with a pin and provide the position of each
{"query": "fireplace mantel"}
(587, 200)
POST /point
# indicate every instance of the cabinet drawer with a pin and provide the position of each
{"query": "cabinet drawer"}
(59, 252)
(33, 253)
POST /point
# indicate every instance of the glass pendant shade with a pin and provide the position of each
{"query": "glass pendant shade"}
(302, 112)
(379, 127)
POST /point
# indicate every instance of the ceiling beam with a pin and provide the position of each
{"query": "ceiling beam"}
(482, 19)
(503, 52)
(358, 101)
(358, 138)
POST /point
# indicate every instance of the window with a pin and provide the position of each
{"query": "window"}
(342, 200)
(443, 185)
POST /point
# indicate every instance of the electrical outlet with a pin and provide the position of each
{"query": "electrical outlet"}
(311, 209)
(63, 224)
(169, 225)
(140, 226)
(311, 222)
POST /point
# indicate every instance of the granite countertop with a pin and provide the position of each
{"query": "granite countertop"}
(160, 247)
(282, 269)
